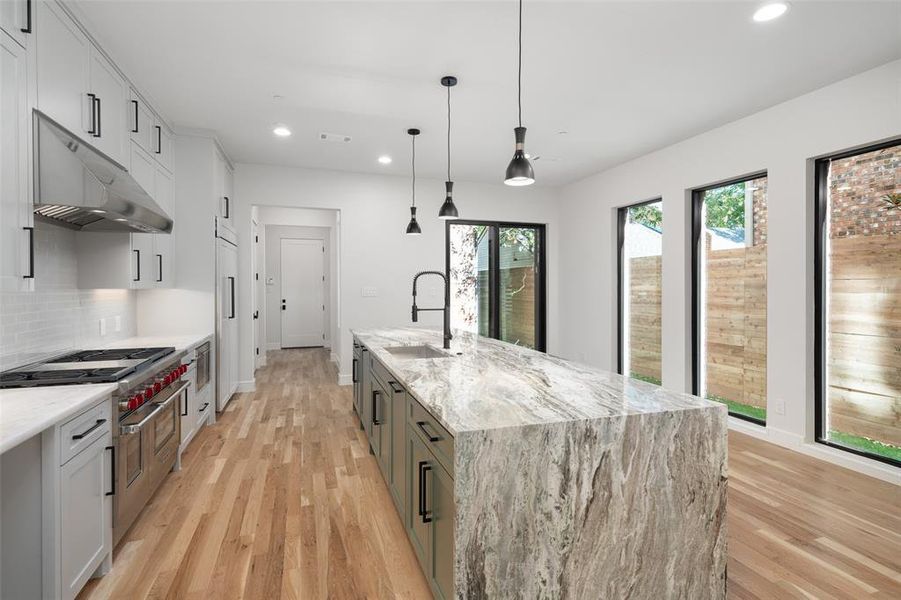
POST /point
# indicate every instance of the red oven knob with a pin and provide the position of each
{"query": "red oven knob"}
(167, 379)
(176, 373)
(157, 387)
(148, 393)
(184, 369)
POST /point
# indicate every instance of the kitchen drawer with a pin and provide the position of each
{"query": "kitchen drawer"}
(383, 375)
(81, 431)
(436, 437)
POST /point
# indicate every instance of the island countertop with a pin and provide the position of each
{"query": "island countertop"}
(488, 384)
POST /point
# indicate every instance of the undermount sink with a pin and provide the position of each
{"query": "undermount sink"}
(416, 352)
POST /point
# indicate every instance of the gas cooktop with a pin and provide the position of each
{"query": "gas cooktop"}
(84, 366)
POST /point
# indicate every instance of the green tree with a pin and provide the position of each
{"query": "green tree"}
(650, 215)
(726, 206)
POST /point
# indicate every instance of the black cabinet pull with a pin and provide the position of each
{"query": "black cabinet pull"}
(375, 404)
(87, 432)
(353, 372)
(99, 114)
(137, 264)
(395, 389)
(203, 408)
(30, 231)
(231, 281)
(135, 128)
(185, 397)
(225, 216)
(429, 436)
(27, 28)
(112, 471)
(424, 513)
(93, 128)
(256, 315)
(159, 276)
(159, 139)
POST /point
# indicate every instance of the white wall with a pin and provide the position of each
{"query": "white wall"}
(374, 251)
(781, 140)
(58, 316)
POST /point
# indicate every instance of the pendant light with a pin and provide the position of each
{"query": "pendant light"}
(448, 210)
(413, 226)
(519, 171)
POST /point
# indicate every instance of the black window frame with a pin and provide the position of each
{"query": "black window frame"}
(494, 269)
(820, 212)
(622, 216)
(697, 227)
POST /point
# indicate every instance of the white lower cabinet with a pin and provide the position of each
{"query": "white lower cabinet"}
(86, 513)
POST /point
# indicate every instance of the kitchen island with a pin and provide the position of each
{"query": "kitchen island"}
(522, 475)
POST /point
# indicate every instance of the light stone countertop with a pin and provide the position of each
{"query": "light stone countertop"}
(180, 342)
(25, 412)
(494, 384)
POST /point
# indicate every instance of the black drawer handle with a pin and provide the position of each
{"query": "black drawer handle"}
(185, 414)
(353, 372)
(432, 438)
(89, 430)
(424, 513)
(375, 395)
(397, 389)
(112, 470)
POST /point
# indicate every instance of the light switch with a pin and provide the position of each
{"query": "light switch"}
(370, 292)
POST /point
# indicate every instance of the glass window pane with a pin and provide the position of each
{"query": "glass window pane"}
(642, 281)
(469, 278)
(518, 285)
(733, 297)
(863, 303)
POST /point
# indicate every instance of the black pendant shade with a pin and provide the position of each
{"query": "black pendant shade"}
(519, 171)
(413, 225)
(448, 210)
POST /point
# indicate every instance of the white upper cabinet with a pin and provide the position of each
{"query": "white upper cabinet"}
(225, 198)
(16, 218)
(149, 131)
(17, 19)
(110, 95)
(63, 69)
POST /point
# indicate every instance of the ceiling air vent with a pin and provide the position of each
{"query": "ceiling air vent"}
(334, 137)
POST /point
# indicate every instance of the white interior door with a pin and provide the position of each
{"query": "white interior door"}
(302, 282)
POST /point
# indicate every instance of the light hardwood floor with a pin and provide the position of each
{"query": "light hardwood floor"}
(281, 499)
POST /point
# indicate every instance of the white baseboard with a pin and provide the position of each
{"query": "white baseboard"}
(345, 379)
(793, 441)
(335, 359)
(247, 386)
(273, 346)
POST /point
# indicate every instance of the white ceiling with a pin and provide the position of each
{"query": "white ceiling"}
(621, 78)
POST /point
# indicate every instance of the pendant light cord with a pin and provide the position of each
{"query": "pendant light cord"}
(414, 169)
(448, 134)
(519, 75)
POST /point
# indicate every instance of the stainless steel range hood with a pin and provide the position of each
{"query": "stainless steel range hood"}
(77, 186)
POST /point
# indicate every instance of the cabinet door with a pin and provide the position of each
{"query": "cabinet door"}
(162, 145)
(418, 527)
(399, 449)
(376, 402)
(143, 269)
(386, 408)
(63, 59)
(141, 122)
(85, 518)
(162, 191)
(142, 169)
(110, 134)
(188, 410)
(16, 239)
(14, 18)
(440, 503)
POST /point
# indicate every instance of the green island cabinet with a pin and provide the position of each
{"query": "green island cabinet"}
(415, 455)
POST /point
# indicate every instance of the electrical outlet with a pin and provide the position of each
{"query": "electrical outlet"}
(779, 407)
(117, 323)
(102, 327)
(369, 291)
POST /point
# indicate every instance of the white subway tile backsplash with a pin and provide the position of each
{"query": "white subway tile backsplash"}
(58, 316)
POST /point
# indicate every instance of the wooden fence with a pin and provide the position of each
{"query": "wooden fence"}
(645, 286)
(864, 369)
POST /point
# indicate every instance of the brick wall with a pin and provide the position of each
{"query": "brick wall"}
(758, 209)
(856, 187)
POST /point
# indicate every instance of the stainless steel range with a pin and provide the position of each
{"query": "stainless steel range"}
(147, 405)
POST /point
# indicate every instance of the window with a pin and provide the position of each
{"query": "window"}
(729, 233)
(858, 301)
(497, 280)
(639, 283)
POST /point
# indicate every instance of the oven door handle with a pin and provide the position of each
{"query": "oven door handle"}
(127, 429)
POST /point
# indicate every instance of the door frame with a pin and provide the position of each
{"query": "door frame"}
(494, 267)
(281, 283)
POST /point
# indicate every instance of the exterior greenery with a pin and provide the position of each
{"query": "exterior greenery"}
(737, 408)
(865, 445)
(646, 378)
(725, 206)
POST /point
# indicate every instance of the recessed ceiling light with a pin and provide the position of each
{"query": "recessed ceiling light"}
(770, 11)
(281, 130)
(385, 160)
